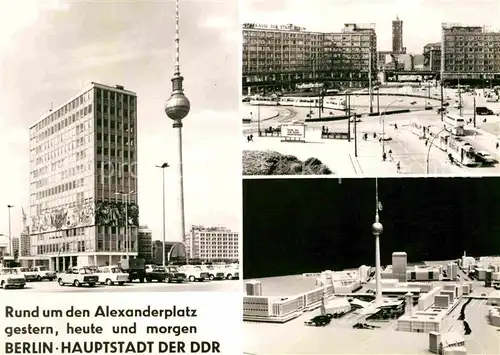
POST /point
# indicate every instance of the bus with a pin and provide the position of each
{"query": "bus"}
(456, 124)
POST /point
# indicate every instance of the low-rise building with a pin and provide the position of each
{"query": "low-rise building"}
(431, 320)
(494, 314)
(423, 274)
(144, 239)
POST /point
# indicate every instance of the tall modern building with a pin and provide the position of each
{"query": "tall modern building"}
(212, 244)
(470, 54)
(432, 57)
(145, 244)
(277, 58)
(83, 180)
(15, 246)
(397, 37)
(399, 265)
(24, 245)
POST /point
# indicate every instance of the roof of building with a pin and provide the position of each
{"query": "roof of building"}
(399, 253)
(337, 302)
(451, 338)
(430, 315)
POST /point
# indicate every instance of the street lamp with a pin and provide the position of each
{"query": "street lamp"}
(383, 122)
(125, 196)
(430, 146)
(162, 167)
(10, 234)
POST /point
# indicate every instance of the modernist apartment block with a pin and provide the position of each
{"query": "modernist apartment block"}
(83, 180)
(470, 53)
(280, 58)
(212, 244)
(432, 57)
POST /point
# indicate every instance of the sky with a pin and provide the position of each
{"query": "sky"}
(421, 18)
(314, 225)
(51, 50)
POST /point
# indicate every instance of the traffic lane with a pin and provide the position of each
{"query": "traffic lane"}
(214, 286)
(412, 154)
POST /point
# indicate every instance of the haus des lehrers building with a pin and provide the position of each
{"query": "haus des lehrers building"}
(83, 180)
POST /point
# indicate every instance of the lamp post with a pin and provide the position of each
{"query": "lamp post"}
(177, 108)
(163, 167)
(430, 146)
(125, 196)
(383, 122)
(10, 231)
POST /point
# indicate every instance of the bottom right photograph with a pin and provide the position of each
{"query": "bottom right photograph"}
(371, 266)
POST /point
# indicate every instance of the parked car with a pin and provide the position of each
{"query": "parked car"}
(11, 278)
(43, 273)
(210, 269)
(352, 119)
(485, 158)
(30, 274)
(228, 273)
(111, 275)
(175, 275)
(78, 276)
(194, 273)
(483, 111)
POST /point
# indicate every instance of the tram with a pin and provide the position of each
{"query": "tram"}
(461, 151)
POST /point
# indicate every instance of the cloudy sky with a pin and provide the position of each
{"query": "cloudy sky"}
(50, 50)
(422, 18)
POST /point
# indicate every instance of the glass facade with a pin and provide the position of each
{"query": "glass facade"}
(275, 58)
(83, 154)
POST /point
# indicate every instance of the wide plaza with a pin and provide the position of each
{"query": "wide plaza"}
(364, 157)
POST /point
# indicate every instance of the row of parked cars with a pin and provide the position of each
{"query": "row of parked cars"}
(114, 275)
(17, 277)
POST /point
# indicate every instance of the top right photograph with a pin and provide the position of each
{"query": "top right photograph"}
(370, 88)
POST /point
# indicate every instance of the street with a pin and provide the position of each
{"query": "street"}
(206, 286)
(412, 153)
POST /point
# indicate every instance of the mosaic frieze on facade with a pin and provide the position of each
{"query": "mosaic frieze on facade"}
(112, 214)
(64, 218)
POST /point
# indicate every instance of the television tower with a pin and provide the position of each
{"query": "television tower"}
(377, 229)
(177, 107)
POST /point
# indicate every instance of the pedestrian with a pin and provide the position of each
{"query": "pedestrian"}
(426, 142)
(497, 145)
(384, 156)
(248, 139)
(390, 154)
(398, 167)
(251, 138)
(374, 135)
(396, 126)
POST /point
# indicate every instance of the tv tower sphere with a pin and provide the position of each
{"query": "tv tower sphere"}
(377, 228)
(177, 106)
